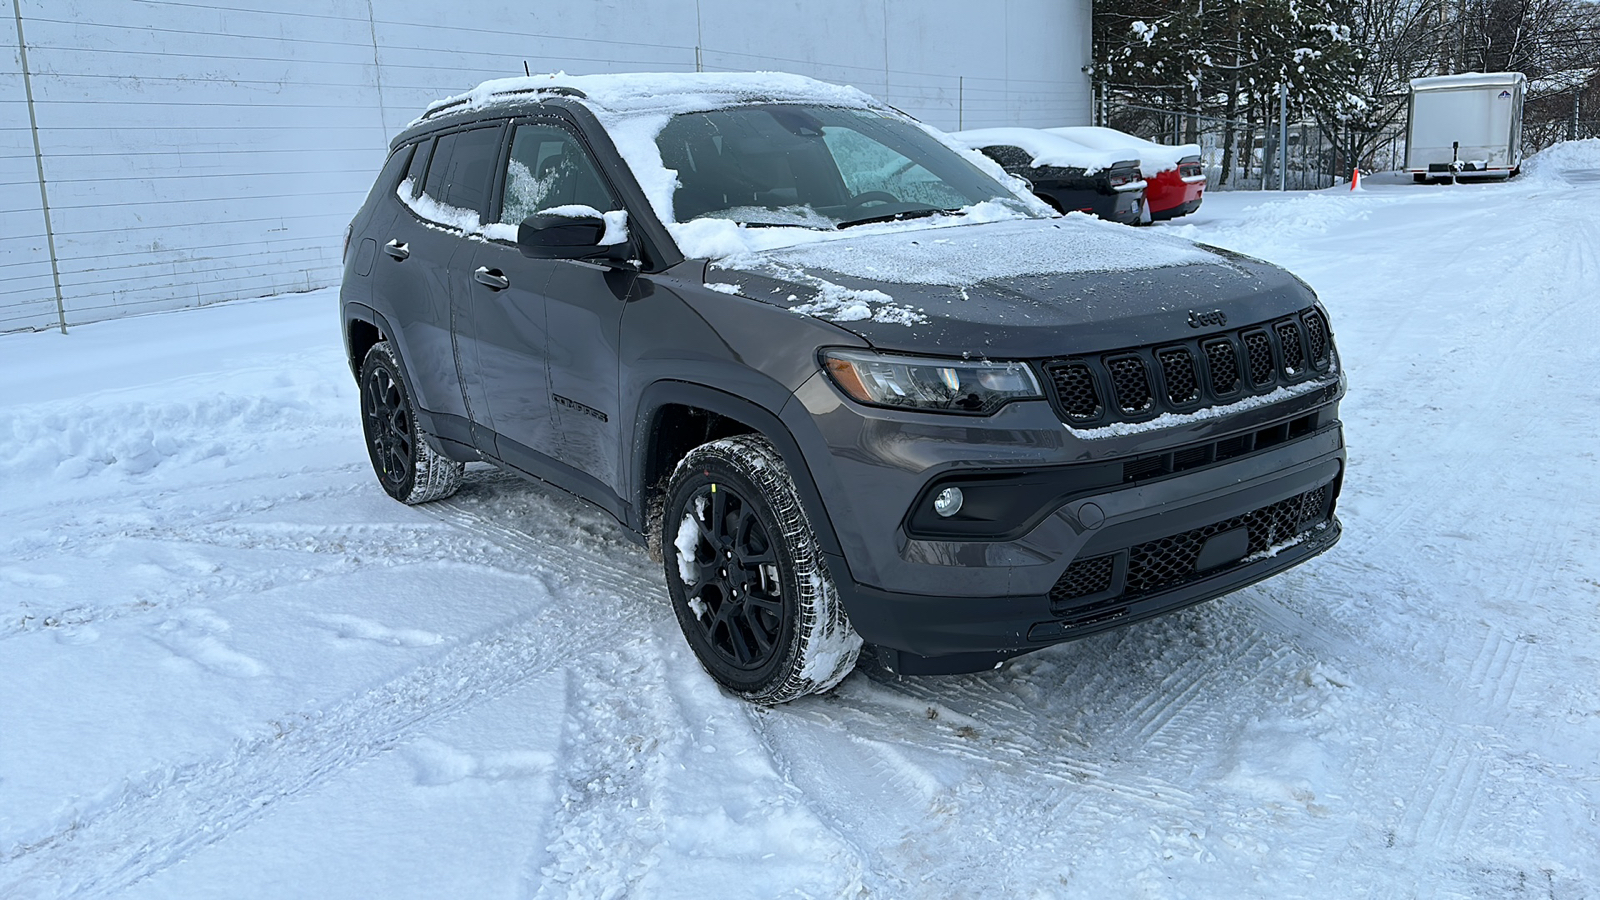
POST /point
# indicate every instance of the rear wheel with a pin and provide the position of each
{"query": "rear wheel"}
(409, 470)
(747, 579)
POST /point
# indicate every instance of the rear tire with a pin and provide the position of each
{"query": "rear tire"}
(408, 468)
(748, 582)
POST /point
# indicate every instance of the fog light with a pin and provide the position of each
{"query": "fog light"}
(948, 502)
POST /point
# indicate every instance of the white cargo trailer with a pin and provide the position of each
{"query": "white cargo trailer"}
(1465, 126)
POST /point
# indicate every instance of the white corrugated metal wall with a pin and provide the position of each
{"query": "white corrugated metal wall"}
(198, 152)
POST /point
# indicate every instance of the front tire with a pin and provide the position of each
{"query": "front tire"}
(409, 469)
(748, 582)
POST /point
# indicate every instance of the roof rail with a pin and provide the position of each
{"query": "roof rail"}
(556, 89)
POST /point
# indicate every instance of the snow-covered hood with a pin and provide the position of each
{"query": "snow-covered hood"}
(1026, 288)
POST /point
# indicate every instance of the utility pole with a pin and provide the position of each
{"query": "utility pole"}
(1283, 136)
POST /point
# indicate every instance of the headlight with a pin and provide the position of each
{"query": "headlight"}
(974, 387)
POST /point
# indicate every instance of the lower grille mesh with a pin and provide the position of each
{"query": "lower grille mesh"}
(1170, 561)
(1084, 577)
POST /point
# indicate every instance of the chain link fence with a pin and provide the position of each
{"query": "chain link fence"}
(1243, 155)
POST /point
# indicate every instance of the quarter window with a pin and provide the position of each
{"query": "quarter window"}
(419, 165)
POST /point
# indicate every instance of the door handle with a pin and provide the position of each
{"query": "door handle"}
(396, 249)
(494, 278)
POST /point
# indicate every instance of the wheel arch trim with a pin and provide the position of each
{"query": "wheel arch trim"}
(768, 423)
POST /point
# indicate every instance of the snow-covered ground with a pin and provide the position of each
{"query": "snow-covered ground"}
(233, 668)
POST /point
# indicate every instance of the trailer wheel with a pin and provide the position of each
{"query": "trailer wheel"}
(1419, 177)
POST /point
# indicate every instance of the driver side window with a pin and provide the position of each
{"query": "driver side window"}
(549, 168)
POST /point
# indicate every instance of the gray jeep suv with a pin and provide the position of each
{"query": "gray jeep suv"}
(854, 383)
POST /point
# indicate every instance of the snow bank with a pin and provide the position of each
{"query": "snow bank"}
(1549, 163)
(134, 437)
(1154, 158)
(1046, 148)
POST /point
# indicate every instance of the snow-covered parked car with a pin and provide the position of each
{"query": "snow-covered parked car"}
(1175, 175)
(1065, 174)
(855, 383)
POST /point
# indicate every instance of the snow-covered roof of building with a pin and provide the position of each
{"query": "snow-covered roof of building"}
(1046, 149)
(1466, 79)
(657, 91)
(1153, 157)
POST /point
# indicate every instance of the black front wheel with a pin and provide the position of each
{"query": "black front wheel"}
(747, 579)
(409, 470)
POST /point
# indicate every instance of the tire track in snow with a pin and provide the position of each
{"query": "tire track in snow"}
(901, 767)
(1496, 669)
(164, 815)
(1179, 695)
(1489, 346)
(1438, 810)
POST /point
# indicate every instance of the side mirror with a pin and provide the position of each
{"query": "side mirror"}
(574, 233)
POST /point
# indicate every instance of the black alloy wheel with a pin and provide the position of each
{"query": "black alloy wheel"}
(737, 597)
(388, 424)
(408, 469)
(748, 582)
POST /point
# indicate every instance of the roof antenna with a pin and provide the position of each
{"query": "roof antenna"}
(525, 69)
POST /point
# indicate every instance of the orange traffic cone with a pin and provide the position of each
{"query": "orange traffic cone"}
(1355, 179)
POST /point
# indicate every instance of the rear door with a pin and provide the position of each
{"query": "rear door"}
(444, 195)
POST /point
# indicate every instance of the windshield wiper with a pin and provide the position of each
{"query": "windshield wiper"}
(897, 217)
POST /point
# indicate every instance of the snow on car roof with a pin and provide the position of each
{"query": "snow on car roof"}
(657, 92)
(1046, 149)
(1466, 79)
(1153, 157)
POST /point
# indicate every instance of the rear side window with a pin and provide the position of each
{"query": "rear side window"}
(462, 168)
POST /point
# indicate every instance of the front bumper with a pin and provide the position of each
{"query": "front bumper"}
(973, 602)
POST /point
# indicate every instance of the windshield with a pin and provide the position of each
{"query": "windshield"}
(815, 167)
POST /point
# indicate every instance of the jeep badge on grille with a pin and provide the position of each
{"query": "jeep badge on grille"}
(1201, 320)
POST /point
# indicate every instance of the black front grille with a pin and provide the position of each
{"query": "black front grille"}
(1130, 383)
(1177, 369)
(1294, 355)
(1258, 349)
(1140, 383)
(1075, 391)
(1317, 337)
(1170, 561)
(1224, 364)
